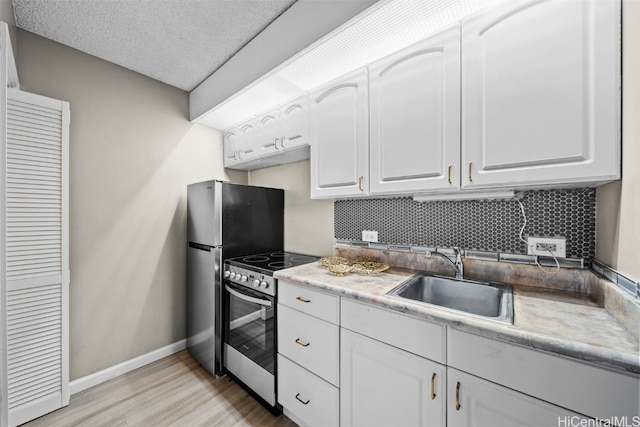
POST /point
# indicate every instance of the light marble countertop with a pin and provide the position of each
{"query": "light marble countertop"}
(560, 322)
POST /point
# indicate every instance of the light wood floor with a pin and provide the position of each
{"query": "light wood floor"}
(174, 391)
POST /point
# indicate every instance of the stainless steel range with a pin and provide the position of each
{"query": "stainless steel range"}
(250, 330)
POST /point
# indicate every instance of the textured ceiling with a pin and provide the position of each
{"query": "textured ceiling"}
(179, 42)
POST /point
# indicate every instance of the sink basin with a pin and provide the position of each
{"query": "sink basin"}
(492, 301)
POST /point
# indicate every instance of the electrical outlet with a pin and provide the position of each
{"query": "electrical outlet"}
(369, 236)
(545, 246)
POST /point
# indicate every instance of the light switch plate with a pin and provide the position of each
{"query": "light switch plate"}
(369, 236)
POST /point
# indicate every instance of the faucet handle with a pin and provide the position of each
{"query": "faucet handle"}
(458, 251)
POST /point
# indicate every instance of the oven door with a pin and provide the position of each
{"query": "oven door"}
(250, 324)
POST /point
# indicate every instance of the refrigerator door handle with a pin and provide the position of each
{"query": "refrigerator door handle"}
(218, 268)
(247, 298)
(205, 248)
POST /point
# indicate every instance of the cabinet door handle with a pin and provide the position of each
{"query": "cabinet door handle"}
(360, 178)
(470, 176)
(275, 142)
(302, 299)
(303, 344)
(449, 174)
(300, 400)
(458, 396)
(433, 386)
(282, 140)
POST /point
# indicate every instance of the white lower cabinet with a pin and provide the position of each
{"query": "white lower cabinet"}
(474, 402)
(306, 398)
(578, 386)
(370, 366)
(308, 355)
(310, 342)
(381, 385)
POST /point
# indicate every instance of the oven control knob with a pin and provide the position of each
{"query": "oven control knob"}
(264, 285)
(227, 273)
(243, 278)
(232, 275)
(256, 283)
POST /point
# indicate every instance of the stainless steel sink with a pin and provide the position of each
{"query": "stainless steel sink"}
(492, 301)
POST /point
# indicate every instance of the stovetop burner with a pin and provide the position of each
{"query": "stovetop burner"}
(279, 264)
(252, 259)
(269, 262)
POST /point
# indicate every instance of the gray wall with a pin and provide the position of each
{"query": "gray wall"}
(308, 224)
(132, 153)
(618, 208)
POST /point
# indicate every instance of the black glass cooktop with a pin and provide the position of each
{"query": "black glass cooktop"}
(269, 262)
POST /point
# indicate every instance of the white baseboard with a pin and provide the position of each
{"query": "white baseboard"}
(105, 375)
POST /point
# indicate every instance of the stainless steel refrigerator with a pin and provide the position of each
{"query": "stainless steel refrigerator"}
(223, 221)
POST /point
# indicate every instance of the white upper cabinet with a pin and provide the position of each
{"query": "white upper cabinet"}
(247, 140)
(294, 122)
(230, 139)
(339, 128)
(278, 136)
(541, 94)
(415, 117)
(268, 133)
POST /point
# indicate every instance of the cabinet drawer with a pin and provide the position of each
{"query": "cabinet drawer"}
(319, 304)
(583, 388)
(417, 336)
(309, 398)
(310, 342)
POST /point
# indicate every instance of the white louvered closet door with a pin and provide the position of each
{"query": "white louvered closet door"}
(37, 260)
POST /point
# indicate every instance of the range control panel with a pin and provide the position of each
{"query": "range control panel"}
(250, 279)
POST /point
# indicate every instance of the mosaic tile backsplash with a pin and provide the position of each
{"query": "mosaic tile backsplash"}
(484, 225)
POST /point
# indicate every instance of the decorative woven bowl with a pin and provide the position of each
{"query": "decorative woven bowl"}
(340, 269)
(340, 266)
(371, 267)
(361, 259)
(332, 260)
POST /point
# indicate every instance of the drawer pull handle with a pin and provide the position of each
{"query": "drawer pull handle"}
(302, 299)
(303, 344)
(300, 400)
(433, 386)
(458, 396)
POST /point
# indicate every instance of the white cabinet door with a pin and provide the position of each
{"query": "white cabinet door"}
(230, 141)
(339, 120)
(247, 140)
(474, 402)
(382, 385)
(415, 117)
(268, 133)
(294, 120)
(305, 397)
(541, 93)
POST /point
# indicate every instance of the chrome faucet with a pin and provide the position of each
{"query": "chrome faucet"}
(457, 265)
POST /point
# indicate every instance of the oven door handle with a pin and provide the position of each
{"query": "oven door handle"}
(247, 298)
